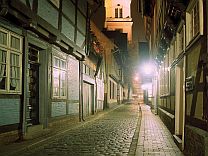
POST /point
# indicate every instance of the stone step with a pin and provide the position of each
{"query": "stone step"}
(178, 141)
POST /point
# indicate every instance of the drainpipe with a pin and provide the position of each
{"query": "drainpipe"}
(81, 109)
(95, 106)
(184, 91)
(23, 123)
(95, 76)
(205, 73)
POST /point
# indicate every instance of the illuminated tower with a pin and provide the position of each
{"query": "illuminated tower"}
(118, 16)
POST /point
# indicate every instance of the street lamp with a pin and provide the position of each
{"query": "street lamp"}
(147, 71)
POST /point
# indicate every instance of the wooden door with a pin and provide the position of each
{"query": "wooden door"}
(33, 83)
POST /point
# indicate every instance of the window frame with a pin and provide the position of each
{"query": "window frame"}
(195, 19)
(164, 81)
(180, 40)
(9, 51)
(58, 55)
(191, 33)
(118, 11)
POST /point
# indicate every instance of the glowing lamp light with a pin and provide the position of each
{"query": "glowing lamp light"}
(146, 86)
(136, 78)
(148, 68)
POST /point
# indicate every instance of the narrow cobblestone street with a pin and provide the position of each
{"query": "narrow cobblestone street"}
(154, 137)
(110, 135)
(119, 132)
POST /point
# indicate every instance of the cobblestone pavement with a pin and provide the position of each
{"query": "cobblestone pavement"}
(109, 135)
(154, 137)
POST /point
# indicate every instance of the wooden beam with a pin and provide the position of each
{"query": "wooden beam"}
(196, 122)
(197, 79)
(44, 24)
(21, 7)
(35, 6)
(60, 16)
(195, 91)
(19, 18)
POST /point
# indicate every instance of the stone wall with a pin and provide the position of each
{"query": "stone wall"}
(196, 141)
(168, 119)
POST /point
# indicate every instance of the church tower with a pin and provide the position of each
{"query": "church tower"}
(118, 16)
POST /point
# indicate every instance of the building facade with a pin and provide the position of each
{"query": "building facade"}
(118, 16)
(177, 33)
(42, 49)
(112, 69)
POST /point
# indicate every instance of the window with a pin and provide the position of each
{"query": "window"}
(59, 77)
(193, 20)
(118, 11)
(174, 49)
(88, 71)
(113, 90)
(164, 77)
(10, 62)
(195, 17)
(120, 72)
(110, 90)
(162, 80)
(180, 40)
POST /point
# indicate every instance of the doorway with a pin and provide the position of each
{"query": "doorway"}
(33, 83)
(88, 100)
(180, 104)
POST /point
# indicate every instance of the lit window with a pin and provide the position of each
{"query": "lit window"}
(10, 62)
(59, 77)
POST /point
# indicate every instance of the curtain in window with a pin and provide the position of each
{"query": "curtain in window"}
(63, 83)
(15, 43)
(14, 70)
(2, 64)
(3, 38)
(55, 82)
(59, 77)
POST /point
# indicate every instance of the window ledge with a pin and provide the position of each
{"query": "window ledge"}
(193, 41)
(59, 98)
(10, 93)
(165, 95)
